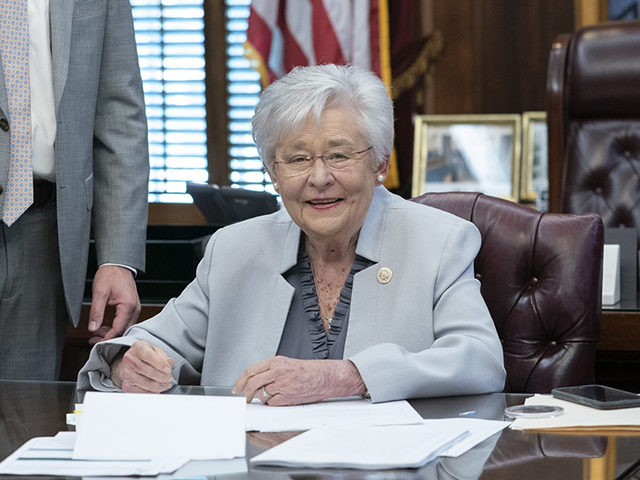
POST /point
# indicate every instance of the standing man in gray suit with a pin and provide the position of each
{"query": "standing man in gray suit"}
(82, 112)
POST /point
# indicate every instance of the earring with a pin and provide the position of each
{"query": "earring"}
(275, 186)
(380, 178)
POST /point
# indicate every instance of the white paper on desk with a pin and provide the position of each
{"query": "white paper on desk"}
(363, 447)
(479, 430)
(128, 426)
(197, 470)
(576, 415)
(263, 418)
(52, 456)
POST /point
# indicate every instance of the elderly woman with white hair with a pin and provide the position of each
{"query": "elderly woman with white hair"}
(347, 290)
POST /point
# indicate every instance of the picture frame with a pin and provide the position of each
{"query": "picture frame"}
(478, 152)
(534, 181)
(623, 10)
(590, 12)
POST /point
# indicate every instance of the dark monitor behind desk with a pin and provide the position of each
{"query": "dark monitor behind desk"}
(226, 205)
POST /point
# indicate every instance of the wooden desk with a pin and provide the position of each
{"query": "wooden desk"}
(30, 409)
(621, 326)
(618, 357)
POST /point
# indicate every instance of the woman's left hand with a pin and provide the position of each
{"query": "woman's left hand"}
(287, 381)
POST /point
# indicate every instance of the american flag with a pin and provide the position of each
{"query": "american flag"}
(283, 34)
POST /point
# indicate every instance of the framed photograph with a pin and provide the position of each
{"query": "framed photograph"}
(534, 181)
(478, 153)
(624, 9)
(589, 12)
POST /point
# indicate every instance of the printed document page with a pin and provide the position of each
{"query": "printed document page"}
(52, 456)
(263, 418)
(363, 447)
(579, 416)
(119, 426)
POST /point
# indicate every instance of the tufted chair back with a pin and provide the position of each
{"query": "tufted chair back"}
(593, 115)
(540, 276)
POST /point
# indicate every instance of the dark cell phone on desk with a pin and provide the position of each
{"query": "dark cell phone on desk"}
(598, 396)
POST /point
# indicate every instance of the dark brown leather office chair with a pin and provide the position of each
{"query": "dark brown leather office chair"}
(540, 276)
(593, 115)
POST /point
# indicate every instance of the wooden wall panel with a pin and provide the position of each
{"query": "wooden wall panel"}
(453, 74)
(495, 53)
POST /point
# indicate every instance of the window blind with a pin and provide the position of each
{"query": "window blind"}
(243, 91)
(170, 41)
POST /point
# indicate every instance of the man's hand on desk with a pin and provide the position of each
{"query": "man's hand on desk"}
(143, 369)
(287, 381)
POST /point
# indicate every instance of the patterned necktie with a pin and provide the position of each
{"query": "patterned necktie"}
(14, 53)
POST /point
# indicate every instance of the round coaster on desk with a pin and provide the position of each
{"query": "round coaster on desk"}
(533, 411)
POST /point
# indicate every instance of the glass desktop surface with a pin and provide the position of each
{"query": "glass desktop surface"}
(29, 409)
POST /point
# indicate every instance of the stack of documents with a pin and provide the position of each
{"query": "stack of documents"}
(137, 434)
(380, 447)
(579, 417)
(194, 427)
(363, 447)
(129, 434)
(54, 456)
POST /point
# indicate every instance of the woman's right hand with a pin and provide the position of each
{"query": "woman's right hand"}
(144, 368)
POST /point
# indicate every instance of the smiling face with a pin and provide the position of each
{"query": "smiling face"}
(328, 205)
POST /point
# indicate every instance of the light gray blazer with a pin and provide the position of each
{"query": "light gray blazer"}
(101, 150)
(427, 332)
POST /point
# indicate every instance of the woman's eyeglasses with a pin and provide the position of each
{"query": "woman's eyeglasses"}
(334, 159)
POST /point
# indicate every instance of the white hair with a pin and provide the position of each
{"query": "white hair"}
(306, 92)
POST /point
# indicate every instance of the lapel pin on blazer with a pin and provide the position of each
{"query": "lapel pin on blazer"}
(384, 275)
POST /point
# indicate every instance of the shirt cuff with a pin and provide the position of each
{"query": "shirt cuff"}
(131, 269)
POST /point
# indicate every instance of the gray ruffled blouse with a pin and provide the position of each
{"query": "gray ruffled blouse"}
(304, 336)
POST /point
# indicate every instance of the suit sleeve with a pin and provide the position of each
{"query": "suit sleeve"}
(180, 330)
(121, 158)
(466, 355)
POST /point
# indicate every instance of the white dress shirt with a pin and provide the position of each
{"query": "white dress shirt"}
(43, 115)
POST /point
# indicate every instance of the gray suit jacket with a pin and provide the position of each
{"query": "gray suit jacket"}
(425, 333)
(101, 150)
